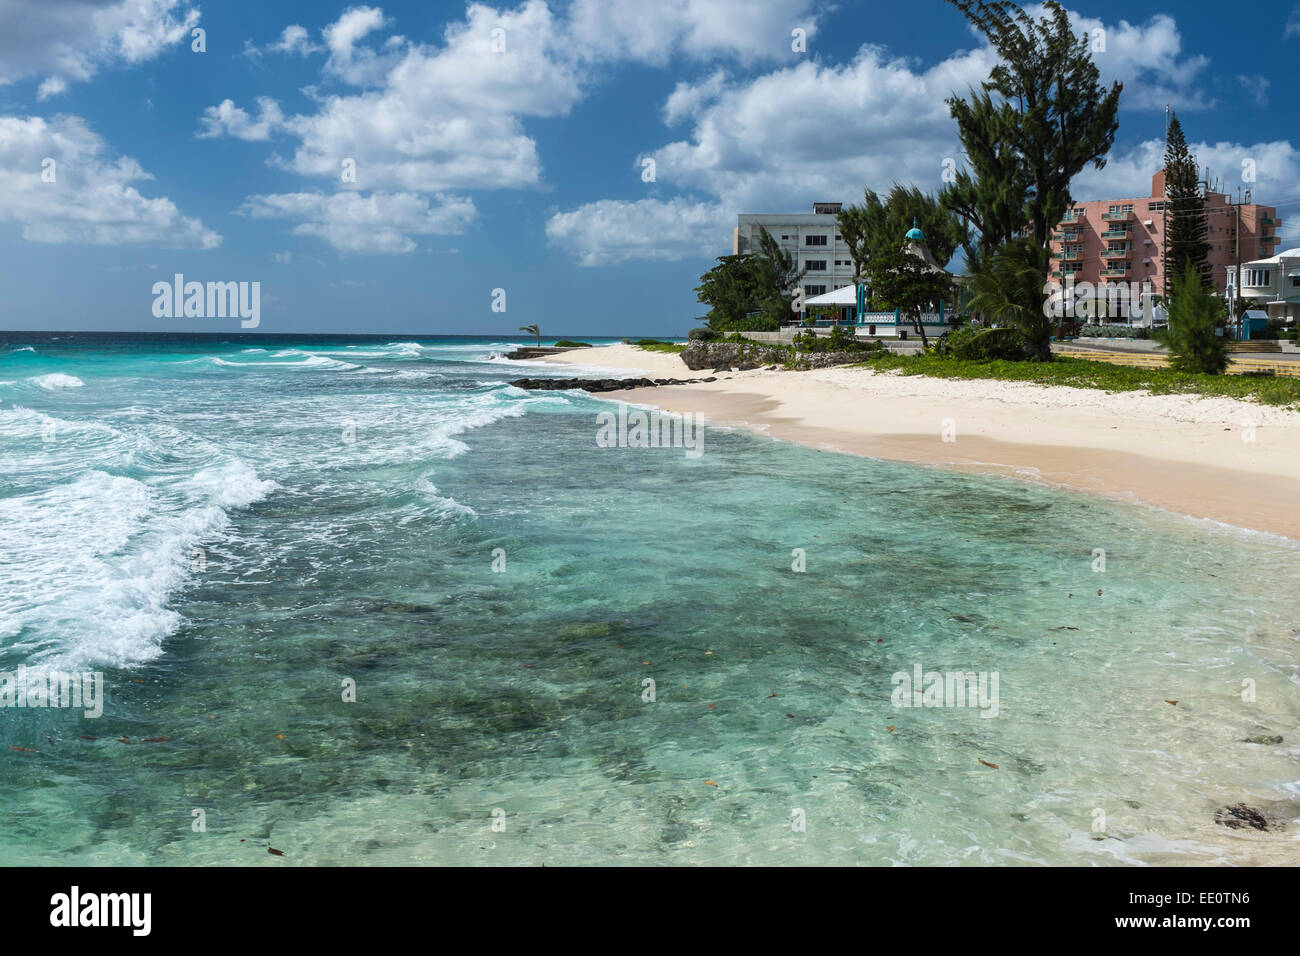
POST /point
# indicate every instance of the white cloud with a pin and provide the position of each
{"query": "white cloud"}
(688, 99)
(72, 40)
(1275, 167)
(229, 120)
(376, 223)
(294, 40)
(653, 31)
(610, 231)
(1293, 23)
(1149, 60)
(91, 198)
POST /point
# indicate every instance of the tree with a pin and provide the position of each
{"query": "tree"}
(532, 330)
(729, 289)
(777, 276)
(1185, 235)
(992, 196)
(879, 225)
(1059, 118)
(751, 291)
(1194, 315)
(902, 281)
(1008, 289)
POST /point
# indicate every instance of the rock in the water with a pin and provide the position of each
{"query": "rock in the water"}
(1263, 739)
(1238, 816)
(595, 384)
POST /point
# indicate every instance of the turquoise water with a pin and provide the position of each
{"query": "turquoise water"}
(201, 529)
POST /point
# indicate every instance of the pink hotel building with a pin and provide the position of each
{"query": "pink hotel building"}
(1122, 240)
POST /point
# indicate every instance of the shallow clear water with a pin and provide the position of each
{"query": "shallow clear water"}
(202, 530)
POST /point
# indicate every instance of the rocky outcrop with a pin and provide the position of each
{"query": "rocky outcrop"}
(742, 356)
(1239, 816)
(725, 356)
(600, 384)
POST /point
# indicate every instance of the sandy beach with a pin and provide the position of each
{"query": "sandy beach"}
(1212, 458)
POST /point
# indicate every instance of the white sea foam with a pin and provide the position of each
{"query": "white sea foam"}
(309, 361)
(87, 567)
(444, 504)
(55, 380)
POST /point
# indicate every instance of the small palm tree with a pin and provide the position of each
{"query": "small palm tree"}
(1008, 289)
(533, 330)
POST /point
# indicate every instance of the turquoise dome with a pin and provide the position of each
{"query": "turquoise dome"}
(915, 233)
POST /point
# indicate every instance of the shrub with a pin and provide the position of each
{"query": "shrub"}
(702, 334)
(570, 344)
(979, 345)
(1193, 318)
(1112, 332)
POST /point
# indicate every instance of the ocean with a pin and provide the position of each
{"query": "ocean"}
(359, 600)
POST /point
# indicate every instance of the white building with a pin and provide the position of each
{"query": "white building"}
(1271, 284)
(812, 240)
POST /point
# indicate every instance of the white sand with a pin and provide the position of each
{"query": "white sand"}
(1184, 454)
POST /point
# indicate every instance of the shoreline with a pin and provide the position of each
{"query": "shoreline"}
(1215, 459)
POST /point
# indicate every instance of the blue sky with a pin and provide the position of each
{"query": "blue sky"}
(522, 168)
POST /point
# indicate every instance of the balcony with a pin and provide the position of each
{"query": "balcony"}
(1267, 221)
(1070, 217)
(1115, 253)
(1071, 255)
(1115, 270)
(1115, 234)
(1116, 216)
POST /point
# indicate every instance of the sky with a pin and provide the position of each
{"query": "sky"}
(430, 168)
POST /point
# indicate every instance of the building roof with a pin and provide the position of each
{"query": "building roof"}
(1277, 259)
(847, 295)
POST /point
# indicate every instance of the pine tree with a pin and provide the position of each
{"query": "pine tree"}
(1186, 230)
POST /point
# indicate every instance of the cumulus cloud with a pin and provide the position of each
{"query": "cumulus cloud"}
(91, 198)
(376, 223)
(72, 40)
(294, 41)
(653, 32)
(1269, 169)
(608, 232)
(227, 119)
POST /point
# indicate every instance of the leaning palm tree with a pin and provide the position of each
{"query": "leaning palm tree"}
(1008, 289)
(533, 330)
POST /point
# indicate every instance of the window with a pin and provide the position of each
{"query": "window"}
(815, 265)
(1258, 278)
(1156, 206)
(814, 290)
(785, 237)
(814, 240)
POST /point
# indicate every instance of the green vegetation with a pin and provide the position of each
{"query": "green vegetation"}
(1112, 332)
(1056, 118)
(750, 292)
(570, 344)
(1186, 247)
(878, 225)
(1008, 289)
(1194, 317)
(905, 282)
(654, 345)
(533, 330)
(1080, 373)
